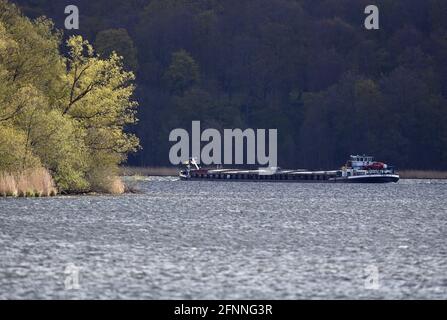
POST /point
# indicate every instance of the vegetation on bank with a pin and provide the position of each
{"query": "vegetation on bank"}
(307, 68)
(29, 183)
(62, 117)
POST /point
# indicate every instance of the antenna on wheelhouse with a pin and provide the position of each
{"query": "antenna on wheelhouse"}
(194, 162)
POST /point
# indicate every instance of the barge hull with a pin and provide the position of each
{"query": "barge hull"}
(359, 169)
(301, 179)
(373, 179)
(256, 180)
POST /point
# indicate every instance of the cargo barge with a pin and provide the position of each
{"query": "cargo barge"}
(358, 169)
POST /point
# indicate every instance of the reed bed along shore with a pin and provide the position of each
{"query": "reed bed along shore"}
(29, 183)
(423, 174)
(117, 186)
(149, 171)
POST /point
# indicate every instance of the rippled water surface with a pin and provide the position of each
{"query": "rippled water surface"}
(229, 240)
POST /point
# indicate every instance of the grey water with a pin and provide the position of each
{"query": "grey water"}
(229, 240)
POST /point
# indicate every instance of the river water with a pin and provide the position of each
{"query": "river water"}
(229, 240)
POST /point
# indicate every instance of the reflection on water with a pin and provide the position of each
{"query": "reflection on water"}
(229, 240)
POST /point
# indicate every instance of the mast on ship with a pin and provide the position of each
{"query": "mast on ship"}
(191, 162)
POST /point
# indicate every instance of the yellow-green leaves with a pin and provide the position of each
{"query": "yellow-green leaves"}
(14, 154)
(67, 114)
(99, 97)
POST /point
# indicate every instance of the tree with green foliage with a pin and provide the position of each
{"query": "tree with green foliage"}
(183, 72)
(65, 113)
(119, 41)
(307, 68)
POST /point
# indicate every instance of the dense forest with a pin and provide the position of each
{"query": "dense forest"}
(306, 67)
(62, 116)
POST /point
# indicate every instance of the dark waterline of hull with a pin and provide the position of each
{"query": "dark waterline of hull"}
(374, 180)
(338, 180)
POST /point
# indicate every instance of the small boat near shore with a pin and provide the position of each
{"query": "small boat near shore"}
(358, 169)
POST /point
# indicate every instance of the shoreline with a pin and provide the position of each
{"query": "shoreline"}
(130, 171)
(173, 172)
(423, 174)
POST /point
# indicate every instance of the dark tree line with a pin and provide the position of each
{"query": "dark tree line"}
(308, 68)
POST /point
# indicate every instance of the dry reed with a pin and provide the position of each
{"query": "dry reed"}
(149, 171)
(29, 183)
(116, 186)
(422, 174)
